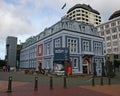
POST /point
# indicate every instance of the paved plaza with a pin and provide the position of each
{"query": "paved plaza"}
(23, 85)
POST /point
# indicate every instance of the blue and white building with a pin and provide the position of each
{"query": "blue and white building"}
(84, 43)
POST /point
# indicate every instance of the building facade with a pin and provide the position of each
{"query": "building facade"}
(84, 13)
(110, 31)
(85, 47)
(11, 47)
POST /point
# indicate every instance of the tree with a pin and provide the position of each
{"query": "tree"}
(117, 63)
(2, 63)
(110, 69)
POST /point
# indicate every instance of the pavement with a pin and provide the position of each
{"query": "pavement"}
(23, 85)
(27, 89)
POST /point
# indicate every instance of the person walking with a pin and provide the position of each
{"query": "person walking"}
(4, 68)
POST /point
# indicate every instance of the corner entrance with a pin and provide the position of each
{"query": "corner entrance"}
(85, 69)
(86, 61)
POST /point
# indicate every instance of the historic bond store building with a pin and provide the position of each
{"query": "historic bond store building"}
(85, 47)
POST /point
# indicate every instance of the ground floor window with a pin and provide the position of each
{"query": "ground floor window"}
(74, 62)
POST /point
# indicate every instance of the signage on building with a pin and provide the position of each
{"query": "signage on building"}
(40, 50)
(61, 54)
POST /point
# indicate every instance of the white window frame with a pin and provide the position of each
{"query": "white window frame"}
(57, 43)
(86, 45)
(72, 44)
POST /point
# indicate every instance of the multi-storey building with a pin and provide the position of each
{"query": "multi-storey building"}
(110, 31)
(85, 47)
(84, 13)
(11, 47)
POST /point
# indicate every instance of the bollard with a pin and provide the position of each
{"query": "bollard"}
(36, 84)
(101, 83)
(93, 82)
(109, 80)
(51, 83)
(9, 84)
(65, 83)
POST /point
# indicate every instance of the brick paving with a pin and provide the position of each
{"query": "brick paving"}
(27, 89)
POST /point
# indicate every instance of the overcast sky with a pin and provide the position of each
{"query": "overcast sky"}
(25, 18)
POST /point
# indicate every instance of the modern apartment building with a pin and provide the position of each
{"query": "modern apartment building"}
(11, 47)
(84, 13)
(110, 31)
(82, 40)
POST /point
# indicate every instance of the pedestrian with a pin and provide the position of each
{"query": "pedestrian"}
(8, 68)
(40, 67)
(4, 68)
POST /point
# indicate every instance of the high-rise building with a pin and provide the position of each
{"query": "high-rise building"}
(84, 13)
(110, 30)
(11, 47)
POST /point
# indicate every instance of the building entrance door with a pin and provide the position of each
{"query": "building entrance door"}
(85, 69)
(85, 66)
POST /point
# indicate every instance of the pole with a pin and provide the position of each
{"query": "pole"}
(51, 83)
(93, 82)
(109, 80)
(101, 81)
(36, 84)
(65, 83)
(9, 84)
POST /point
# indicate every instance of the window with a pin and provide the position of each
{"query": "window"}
(102, 33)
(78, 18)
(114, 36)
(113, 24)
(73, 15)
(98, 62)
(77, 10)
(75, 62)
(115, 43)
(101, 28)
(96, 22)
(83, 11)
(72, 44)
(96, 19)
(77, 14)
(73, 11)
(107, 26)
(118, 22)
(47, 48)
(114, 30)
(108, 44)
(107, 31)
(109, 50)
(86, 45)
(108, 38)
(118, 28)
(115, 49)
(83, 18)
(52, 29)
(98, 47)
(57, 43)
(83, 28)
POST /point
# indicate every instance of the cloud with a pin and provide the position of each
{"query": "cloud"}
(13, 21)
(24, 18)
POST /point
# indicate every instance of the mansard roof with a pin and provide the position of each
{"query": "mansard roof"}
(84, 6)
(115, 15)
